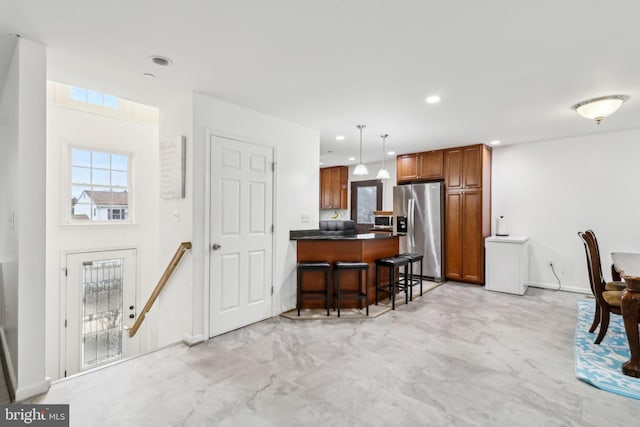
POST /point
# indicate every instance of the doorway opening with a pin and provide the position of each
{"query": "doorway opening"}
(366, 197)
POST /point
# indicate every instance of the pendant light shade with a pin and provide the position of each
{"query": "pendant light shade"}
(599, 108)
(361, 169)
(383, 173)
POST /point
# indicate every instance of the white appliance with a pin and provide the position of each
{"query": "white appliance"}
(418, 209)
(507, 264)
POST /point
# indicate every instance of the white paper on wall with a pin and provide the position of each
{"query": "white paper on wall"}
(172, 168)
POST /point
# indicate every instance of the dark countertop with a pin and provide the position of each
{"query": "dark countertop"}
(315, 235)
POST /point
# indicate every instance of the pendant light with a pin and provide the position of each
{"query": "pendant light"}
(361, 169)
(383, 173)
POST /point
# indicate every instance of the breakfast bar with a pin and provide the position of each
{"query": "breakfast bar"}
(361, 247)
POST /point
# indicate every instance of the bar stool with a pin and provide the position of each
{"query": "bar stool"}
(313, 295)
(393, 263)
(413, 279)
(359, 295)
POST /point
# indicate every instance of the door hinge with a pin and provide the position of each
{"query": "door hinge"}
(272, 228)
(273, 167)
(65, 372)
(66, 272)
(272, 290)
(65, 323)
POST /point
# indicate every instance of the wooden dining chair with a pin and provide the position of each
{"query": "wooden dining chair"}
(606, 293)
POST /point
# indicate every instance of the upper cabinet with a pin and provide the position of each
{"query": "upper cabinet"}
(334, 187)
(425, 166)
(463, 167)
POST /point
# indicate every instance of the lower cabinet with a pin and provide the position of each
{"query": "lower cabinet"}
(464, 238)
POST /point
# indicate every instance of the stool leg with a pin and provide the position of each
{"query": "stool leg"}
(366, 289)
(377, 283)
(392, 287)
(326, 286)
(407, 288)
(339, 293)
(420, 278)
(410, 280)
(299, 299)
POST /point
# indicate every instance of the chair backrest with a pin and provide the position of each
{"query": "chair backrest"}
(338, 228)
(593, 263)
(583, 237)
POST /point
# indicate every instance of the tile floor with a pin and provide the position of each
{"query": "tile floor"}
(459, 356)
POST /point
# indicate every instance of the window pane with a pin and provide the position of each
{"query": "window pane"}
(99, 186)
(94, 97)
(111, 101)
(119, 162)
(101, 176)
(119, 178)
(80, 157)
(366, 204)
(80, 175)
(79, 94)
(101, 160)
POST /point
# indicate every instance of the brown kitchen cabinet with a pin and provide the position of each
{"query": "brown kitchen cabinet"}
(417, 167)
(463, 167)
(334, 187)
(467, 172)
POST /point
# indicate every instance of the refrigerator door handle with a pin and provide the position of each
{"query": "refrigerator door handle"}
(411, 231)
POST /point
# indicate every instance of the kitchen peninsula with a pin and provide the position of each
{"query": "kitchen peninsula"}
(360, 247)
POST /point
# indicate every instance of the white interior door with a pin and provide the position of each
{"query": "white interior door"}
(100, 298)
(240, 280)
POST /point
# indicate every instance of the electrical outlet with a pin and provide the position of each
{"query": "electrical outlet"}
(304, 219)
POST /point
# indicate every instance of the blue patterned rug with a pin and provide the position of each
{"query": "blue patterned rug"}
(601, 365)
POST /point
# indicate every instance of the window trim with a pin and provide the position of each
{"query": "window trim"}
(66, 205)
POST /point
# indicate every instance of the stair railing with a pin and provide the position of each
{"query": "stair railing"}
(184, 246)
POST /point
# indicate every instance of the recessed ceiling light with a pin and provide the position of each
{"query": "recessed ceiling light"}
(390, 153)
(495, 142)
(433, 99)
(149, 75)
(163, 61)
(340, 137)
(351, 159)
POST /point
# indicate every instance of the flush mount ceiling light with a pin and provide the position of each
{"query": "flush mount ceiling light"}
(383, 173)
(391, 153)
(149, 75)
(433, 99)
(495, 142)
(340, 138)
(599, 108)
(163, 61)
(361, 169)
(351, 159)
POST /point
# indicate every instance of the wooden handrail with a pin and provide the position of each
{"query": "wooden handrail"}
(184, 246)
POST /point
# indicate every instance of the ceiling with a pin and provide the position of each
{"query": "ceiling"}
(505, 70)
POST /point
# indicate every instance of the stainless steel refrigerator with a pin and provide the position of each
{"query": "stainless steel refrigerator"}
(419, 215)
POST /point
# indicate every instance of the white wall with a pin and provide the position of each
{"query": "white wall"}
(175, 222)
(297, 154)
(73, 127)
(9, 103)
(23, 117)
(550, 190)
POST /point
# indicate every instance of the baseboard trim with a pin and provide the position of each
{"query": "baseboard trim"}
(7, 366)
(33, 389)
(562, 288)
(192, 340)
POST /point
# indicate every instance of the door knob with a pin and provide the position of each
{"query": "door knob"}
(215, 246)
(131, 316)
(130, 307)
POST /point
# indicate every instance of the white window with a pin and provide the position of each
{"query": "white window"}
(100, 186)
(94, 97)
